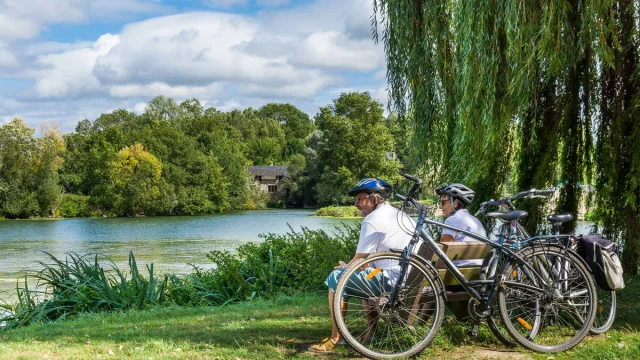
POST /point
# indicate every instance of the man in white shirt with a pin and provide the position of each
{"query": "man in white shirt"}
(380, 232)
(454, 199)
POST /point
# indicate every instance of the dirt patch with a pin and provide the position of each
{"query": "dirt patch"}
(469, 352)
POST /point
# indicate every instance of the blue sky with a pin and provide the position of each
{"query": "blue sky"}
(62, 61)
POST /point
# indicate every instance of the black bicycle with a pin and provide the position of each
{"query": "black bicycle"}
(513, 233)
(391, 304)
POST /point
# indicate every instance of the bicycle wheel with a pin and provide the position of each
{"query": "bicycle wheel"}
(490, 267)
(551, 313)
(605, 311)
(373, 325)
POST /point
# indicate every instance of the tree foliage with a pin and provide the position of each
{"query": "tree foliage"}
(29, 166)
(355, 142)
(545, 88)
(184, 159)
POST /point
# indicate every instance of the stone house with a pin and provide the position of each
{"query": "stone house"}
(269, 179)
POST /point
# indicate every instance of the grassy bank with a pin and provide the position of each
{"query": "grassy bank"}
(267, 301)
(268, 329)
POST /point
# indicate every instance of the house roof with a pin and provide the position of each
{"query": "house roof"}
(269, 172)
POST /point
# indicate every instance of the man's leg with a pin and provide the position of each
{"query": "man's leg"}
(327, 345)
(335, 334)
(372, 320)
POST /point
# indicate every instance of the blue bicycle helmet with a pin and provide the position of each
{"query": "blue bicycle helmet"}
(372, 185)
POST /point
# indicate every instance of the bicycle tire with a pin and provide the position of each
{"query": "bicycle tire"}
(403, 330)
(605, 312)
(494, 321)
(550, 317)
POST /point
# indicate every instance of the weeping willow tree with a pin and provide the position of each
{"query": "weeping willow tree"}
(543, 93)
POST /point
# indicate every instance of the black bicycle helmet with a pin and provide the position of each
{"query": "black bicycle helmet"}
(372, 185)
(457, 191)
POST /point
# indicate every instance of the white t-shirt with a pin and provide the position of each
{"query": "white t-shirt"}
(465, 221)
(380, 230)
(383, 229)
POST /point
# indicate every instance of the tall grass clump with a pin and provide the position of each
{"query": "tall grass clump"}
(77, 284)
(293, 263)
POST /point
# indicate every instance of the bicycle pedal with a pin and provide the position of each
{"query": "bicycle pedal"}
(474, 330)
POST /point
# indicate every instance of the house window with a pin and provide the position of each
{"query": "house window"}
(257, 178)
(273, 188)
(279, 177)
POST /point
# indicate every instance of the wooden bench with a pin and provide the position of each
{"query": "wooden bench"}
(457, 298)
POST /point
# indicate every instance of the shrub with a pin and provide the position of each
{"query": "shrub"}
(73, 205)
(591, 215)
(338, 211)
(274, 204)
(283, 264)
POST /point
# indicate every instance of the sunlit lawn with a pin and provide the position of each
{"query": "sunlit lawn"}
(267, 329)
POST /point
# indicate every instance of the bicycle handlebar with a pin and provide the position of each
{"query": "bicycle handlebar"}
(528, 194)
(410, 199)
(545, 192)
(415, 179)
(534, 193)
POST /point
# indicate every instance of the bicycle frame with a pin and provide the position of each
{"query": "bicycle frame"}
(466, 284)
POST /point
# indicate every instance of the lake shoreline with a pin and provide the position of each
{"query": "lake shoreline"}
(151, 216)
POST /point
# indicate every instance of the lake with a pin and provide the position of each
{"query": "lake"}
(170, 243)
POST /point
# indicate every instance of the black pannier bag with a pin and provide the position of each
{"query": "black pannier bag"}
(602, 257)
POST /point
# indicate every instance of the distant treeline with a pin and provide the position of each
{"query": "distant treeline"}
(183, 159)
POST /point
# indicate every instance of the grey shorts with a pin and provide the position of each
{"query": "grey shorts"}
(359, 285)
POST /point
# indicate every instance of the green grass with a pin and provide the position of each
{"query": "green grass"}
(268, 329)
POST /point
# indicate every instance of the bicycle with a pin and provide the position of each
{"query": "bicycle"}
(397, 309)
(606, 305)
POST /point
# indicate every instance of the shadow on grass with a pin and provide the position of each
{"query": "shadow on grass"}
(628, 305)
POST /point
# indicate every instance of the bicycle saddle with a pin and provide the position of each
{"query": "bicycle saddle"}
(508, 216)
(560, 218)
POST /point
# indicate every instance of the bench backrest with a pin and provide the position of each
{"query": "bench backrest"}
(457, 250)
(462, 250)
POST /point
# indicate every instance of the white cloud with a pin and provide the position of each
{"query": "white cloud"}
(7, 59)
(300, 55)
(185, 48)
(48, 47)
(302, 88)
(70, 72)
(25, 19)
(351, 17)
(198, 49)
(382, 96)
(139, 108)
(157, 88)
(380, 75)
(334, 50)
